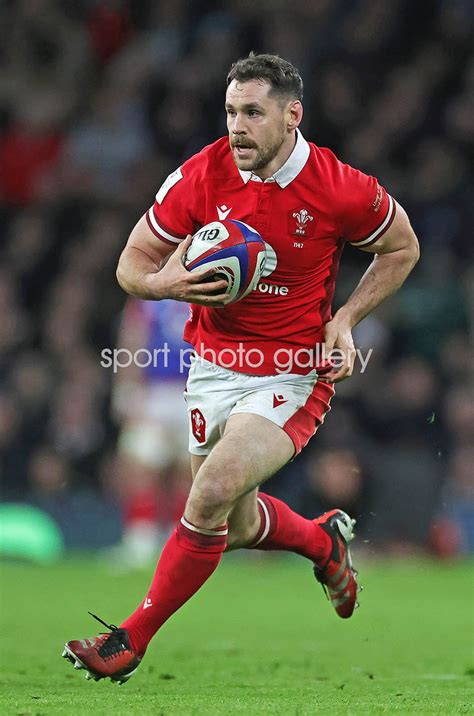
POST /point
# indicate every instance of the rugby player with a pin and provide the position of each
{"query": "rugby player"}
(259, 385)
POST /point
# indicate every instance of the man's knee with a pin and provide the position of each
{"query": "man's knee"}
(211, 497)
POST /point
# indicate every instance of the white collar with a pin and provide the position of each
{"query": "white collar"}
(290, 169)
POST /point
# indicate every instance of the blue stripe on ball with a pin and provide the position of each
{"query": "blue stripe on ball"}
(239, 250)
(248, 234)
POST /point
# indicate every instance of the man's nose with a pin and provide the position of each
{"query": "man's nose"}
(239, 125)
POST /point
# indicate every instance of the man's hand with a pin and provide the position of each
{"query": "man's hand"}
(151, 269)
(175, 282)
(338, 341)
(396, 253)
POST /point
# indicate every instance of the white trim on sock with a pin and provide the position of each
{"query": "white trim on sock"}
(267, 522)
(202, 531)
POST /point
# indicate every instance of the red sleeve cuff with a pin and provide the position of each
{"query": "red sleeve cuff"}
(382, 227)
(161, 231)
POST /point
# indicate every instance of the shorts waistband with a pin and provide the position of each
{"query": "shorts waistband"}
(216, 368)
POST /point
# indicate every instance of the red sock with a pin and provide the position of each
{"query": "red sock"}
(188, 559)
(281, 528)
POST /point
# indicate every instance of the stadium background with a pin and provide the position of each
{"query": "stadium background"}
(99, 101)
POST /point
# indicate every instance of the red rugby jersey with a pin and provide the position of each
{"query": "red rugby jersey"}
(306, 212)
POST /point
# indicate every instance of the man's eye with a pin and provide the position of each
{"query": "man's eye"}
(253, 113)
(230, 112)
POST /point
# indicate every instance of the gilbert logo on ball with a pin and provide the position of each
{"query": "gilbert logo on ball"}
(235, 249)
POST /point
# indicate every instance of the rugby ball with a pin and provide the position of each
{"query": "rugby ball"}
(235, 249)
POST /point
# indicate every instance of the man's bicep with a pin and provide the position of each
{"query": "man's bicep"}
(172, 216)
(399, 236)
(143, 239)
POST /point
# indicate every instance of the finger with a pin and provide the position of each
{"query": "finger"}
(332, 373)
(212, 301)
(332, 377)
(183, 246)
(200, 276)
(337, 376)
(341, 365)
(210, 288)
(330, 337)
(341, 371)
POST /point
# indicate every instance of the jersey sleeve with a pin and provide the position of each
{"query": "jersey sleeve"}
(173, 215)
(366, 210)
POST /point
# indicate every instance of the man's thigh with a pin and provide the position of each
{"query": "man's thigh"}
(257, 444)
(251, 445)
(250, 451)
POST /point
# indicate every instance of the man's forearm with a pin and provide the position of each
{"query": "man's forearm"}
(134, 271)
(385, 275)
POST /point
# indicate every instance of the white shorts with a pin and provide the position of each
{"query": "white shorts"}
(296, 403)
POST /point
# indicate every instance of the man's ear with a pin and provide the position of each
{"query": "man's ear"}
(295, 111)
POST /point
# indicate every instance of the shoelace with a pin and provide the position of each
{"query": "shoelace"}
(116, 641)
(320, 579)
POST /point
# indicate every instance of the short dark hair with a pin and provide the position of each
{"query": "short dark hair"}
(283, 77)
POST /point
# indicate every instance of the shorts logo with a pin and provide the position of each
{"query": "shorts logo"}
(301, 222)
(278, 400)
(198, 424)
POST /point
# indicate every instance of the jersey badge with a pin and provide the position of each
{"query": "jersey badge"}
(301, 222)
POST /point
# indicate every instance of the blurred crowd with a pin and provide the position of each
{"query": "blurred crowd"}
(99, 101)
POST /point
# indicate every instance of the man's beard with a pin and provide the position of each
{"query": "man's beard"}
(264, 155)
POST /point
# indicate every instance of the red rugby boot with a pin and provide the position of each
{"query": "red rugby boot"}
(337, 575)
(104, 656)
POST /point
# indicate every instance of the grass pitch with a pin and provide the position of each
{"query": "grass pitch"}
(259, 638)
